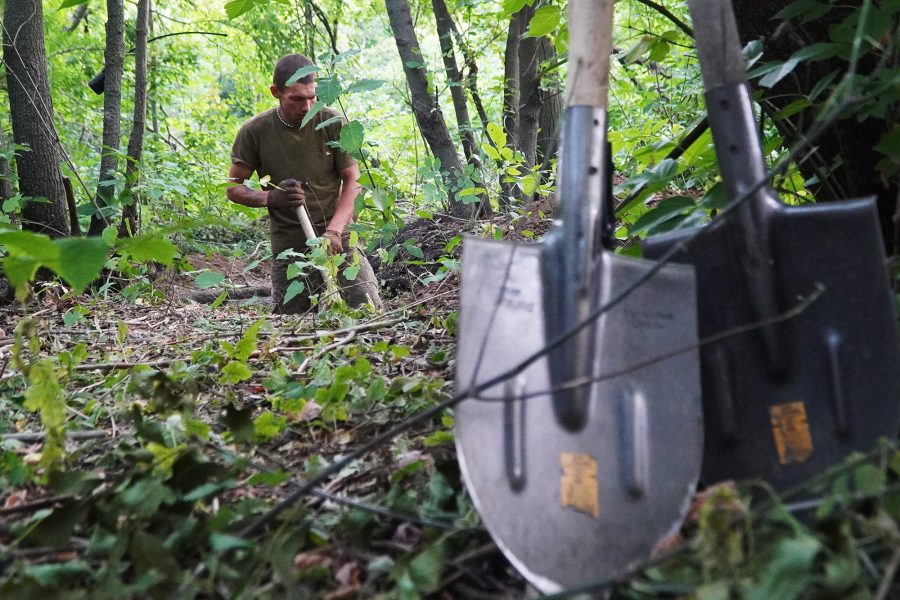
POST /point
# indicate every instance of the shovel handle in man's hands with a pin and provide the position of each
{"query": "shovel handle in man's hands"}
(288, 193)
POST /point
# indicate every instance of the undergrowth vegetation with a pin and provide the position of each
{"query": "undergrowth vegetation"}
(154, 446)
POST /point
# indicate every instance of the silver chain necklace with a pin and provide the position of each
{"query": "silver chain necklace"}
(283, 122)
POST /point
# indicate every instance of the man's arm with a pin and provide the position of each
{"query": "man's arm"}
(240, 193)
(343, 212)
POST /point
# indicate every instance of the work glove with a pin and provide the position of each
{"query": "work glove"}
(287, 194)
(335, 245)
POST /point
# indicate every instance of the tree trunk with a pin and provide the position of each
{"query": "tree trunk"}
(850, 140)
(529, 92)
(112, 112)
(6, 188)
(130, 224)
(31, 112)
(471, 74)
(309, 30)
(424, 105)
(550, 111)
(511, 97)
(457, 91)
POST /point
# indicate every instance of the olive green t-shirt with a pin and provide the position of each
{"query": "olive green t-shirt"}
(266, 145)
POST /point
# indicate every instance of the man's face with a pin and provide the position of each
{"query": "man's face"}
(295, 100)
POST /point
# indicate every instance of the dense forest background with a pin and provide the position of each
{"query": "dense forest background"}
(153, 413)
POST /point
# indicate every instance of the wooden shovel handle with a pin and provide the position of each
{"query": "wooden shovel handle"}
(718, 43)
(308, 230)
(590, 46)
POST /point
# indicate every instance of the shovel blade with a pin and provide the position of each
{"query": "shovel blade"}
(569, 507)
(839, 390)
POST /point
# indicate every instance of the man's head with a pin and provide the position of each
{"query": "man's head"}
(294, 100)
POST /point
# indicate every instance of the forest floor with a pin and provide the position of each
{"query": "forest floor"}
(153, 387)
(160, 439)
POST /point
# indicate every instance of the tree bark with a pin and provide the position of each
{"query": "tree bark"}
(529, 92)
(445, 27)
(428, 114)
(550, 111)
(31, 113)
(471, 74)
(508, 191)
(6, 188)
(850, 140)
(114, 59)
(457, 91)
(130, 224)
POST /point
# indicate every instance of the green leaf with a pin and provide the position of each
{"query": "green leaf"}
(80, 260)
(207, 489)
(236, 8)
(439, 437)
(781, 71)
(327, 122)
(545, 20)
(208, 279)
(270, 479)
(146, 496)
(25, 243)
(247, 343)
(328, 89)
(221, 542)
(74, 314)
(300, 74)
(352, 135)
(44, 395)
(319, 105)
(817, 51)
(293, 290)
(889, 144)
(20, 270)
(659, 215)
(219, 299)
(110, 235)
(496, 134)
(71, 3)
(792, 109)
(148, 247)
(426, 568)
(788, 574)
(351, 272)
(364, 85)
(513, 6)
(235, 372)
(268, 425)
(53, 576)
(634, 53)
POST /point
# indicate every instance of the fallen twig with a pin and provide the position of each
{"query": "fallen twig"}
(165, 362)
(344, 340)
(26, 507)
(33, 437)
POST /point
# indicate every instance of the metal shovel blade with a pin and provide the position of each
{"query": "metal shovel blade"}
(568, 507)
(587, 458)
(791, 398)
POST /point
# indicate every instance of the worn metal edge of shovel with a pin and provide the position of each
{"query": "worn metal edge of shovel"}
(786, 401)
(578, 484)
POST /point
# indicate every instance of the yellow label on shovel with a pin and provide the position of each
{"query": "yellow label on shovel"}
(791, 431)
(578, 484)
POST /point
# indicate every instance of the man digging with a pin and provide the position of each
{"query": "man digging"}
(310, 172)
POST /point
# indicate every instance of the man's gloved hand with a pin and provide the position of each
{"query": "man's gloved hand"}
(335, 245)
(288, 193)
